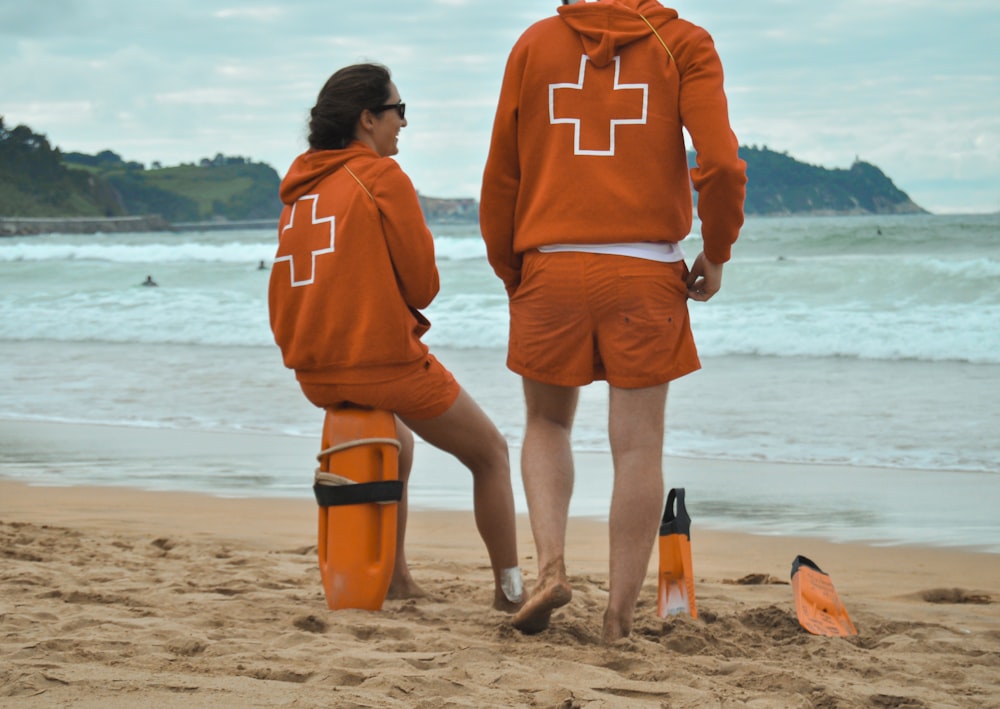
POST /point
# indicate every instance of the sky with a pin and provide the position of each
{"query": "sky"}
(911, 86)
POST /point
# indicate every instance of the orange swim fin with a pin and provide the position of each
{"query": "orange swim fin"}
(357, 489)
(676, 577)
(817, 604)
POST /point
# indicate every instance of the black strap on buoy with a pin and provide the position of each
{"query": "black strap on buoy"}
(381, 491)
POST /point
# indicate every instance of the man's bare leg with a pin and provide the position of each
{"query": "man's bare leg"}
(635, 427)
(547, 471)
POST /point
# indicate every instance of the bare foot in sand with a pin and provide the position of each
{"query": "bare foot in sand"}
(404, 587)
(615, 628)
(552, 591)
(501, 603)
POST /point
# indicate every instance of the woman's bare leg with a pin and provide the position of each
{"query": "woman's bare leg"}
(466, 432)
(402, 584)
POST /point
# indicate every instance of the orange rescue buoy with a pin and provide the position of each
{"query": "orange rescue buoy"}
(357, 489)
(676, 577)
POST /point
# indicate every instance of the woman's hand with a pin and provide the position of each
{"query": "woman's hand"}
(704, 279)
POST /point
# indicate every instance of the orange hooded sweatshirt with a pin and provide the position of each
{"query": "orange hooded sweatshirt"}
(355, 261)
(587, 142)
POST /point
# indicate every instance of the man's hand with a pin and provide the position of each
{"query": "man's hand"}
(705, 279)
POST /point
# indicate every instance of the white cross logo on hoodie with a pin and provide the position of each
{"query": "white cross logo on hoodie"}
(600, 103)
(310, 239)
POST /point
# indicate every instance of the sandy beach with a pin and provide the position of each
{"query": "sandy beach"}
(120, 597)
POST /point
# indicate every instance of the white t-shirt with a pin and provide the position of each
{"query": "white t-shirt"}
(663, 251)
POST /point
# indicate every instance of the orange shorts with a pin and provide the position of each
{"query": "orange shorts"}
(577, 317)
(421, 392)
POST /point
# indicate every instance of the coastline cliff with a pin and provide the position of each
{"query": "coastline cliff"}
(43, 189)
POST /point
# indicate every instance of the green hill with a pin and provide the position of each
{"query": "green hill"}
(221, 188)
(781, 185)
(37, 180)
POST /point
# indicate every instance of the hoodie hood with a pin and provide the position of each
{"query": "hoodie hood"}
(604, 27)
(312, 167)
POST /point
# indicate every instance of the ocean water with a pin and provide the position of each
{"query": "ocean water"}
(844, 341)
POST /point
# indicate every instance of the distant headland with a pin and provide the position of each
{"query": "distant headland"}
(43, 189)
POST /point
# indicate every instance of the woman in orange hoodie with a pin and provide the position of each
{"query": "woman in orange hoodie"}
(355, 263)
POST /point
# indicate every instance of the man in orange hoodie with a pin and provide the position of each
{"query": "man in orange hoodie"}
(586, 197)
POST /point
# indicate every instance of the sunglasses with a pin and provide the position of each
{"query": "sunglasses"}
(400, 109)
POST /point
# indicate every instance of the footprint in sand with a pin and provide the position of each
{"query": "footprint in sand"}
(954, 595)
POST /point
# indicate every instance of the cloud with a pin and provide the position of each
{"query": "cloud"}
(910, 86)
(256, 14)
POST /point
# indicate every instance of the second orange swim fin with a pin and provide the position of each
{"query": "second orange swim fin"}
(817, 605)
(357, 489)
(676, 576)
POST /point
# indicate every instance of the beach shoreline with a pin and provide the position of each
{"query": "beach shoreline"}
(114, 596)
(839, 503)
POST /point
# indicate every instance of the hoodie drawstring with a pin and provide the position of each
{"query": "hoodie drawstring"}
(649, 24)
(359, 182)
